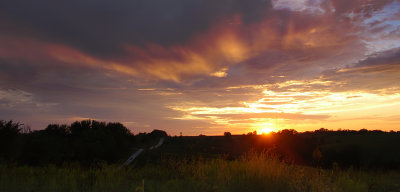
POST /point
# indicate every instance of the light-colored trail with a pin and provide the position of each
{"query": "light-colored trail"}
(139, 151)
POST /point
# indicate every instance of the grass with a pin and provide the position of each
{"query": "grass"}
(251, 172)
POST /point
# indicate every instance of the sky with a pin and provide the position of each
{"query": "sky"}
(202, 66)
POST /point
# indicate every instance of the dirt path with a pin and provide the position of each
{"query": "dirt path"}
(139, 151)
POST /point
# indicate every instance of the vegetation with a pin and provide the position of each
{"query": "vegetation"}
(250, 172)
(85, 156)
(86, 141)
(322, 148)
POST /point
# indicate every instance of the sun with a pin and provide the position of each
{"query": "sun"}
(264, 127)
(266, 130)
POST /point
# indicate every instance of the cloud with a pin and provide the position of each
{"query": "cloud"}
(147, 40)
(292, 116)
(380, 72)
(149, 61)
(101, 27)
(10, 98)
(314, 7)
(389, 57)
(235, 38)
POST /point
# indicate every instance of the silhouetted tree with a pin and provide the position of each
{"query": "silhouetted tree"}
(9, 129)
(363, 131)
(55, 129)
(79, 127)
(158, 133)
(9, 132)
(287, 132)
(227, 134)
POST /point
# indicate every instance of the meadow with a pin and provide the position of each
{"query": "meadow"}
(86, 156)
(251, 172)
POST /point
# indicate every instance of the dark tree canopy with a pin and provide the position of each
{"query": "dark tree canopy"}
(9, 129)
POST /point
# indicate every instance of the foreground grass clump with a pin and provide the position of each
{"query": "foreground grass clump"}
(252, 172)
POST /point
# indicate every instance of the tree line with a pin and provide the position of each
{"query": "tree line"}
(322, 148)
(86, 142)
(91, 141)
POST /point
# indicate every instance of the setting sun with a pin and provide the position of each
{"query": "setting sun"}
(266, 130)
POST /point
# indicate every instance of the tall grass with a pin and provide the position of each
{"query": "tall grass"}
(251, 172)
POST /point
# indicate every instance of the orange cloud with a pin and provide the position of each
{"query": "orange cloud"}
(206, 55)
(211, 53)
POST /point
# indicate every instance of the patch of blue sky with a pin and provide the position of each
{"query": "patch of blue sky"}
(383, 28)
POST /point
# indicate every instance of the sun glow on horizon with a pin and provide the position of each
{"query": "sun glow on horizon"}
(293, 106)
(266, 130)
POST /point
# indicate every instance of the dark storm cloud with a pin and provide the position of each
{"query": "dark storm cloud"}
(102, 27)
(178, 40)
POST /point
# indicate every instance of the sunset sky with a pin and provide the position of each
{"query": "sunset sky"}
(202, 66)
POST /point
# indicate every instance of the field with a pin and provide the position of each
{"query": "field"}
(86, 156)
(251, 172)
